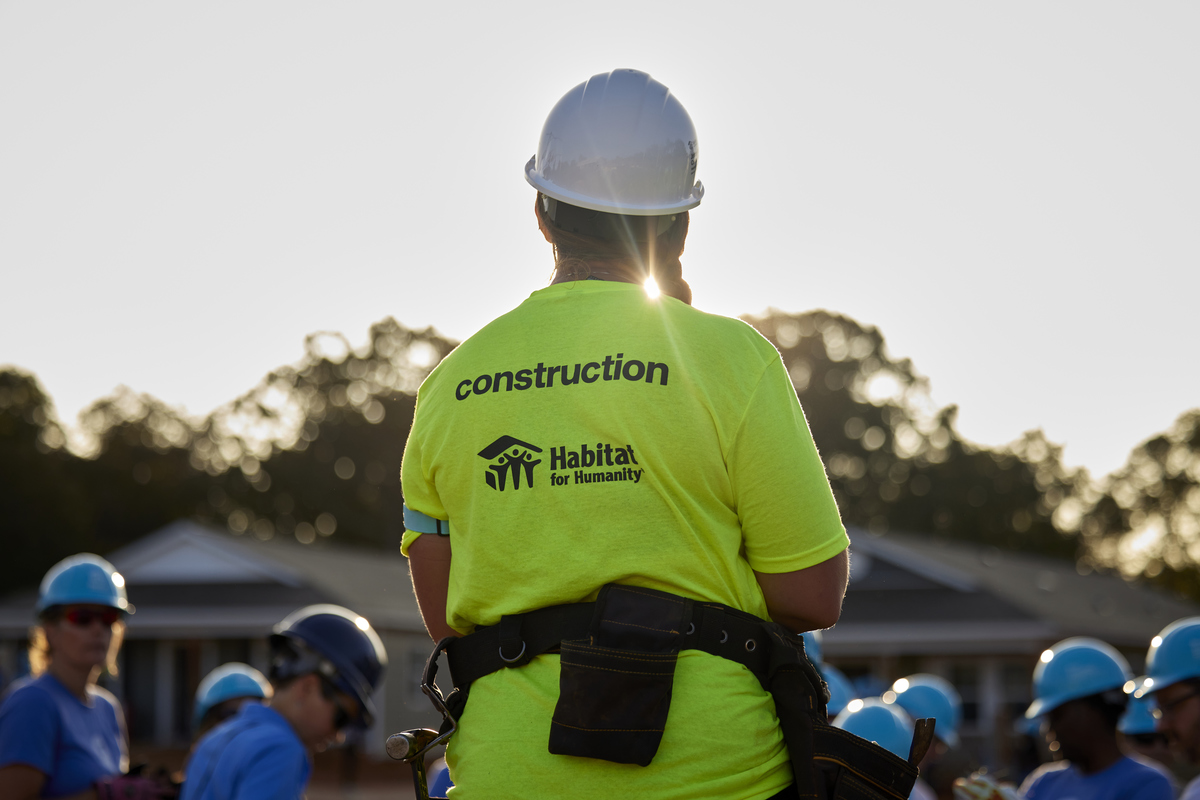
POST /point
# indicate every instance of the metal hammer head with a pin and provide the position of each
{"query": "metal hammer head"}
(406, 745)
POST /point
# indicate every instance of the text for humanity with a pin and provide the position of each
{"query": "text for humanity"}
(604, 455)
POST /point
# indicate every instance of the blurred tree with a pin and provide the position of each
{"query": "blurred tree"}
(43, 515)
(314, 450)
(136, 472)
(1146, 518)
(895, 461)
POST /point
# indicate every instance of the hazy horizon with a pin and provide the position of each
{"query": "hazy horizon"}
(1011, 194)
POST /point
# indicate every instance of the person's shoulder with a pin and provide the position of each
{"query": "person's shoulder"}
(1141, 767)
(27, 693)
(1044, 774)
(249, 737)
(1050, 769)
(1158, 767)
(101, 695)
(1192, 790)
(715, 332)
(264, 728)
(1152, 782)
(729, 326)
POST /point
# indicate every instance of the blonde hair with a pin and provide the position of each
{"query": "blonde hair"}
(39, 647)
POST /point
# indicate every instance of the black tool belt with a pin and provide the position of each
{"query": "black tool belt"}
(617, 659)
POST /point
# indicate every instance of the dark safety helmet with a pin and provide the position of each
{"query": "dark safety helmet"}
(336, 644)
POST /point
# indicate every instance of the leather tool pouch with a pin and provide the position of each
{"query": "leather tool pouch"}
(830, 763)
(854, 769)
(615, 686)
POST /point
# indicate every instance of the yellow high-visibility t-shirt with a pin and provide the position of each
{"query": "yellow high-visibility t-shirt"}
(596, 435)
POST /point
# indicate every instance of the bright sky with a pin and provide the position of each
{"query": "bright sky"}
(1009, 191)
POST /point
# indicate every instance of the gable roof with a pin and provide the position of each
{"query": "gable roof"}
(1104, 605)
(924, 595)
(189, 580)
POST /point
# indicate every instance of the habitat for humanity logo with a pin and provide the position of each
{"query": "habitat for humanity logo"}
(512, 457)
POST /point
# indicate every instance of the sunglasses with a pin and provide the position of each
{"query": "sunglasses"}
(341, 717)
(84, 617)
(1164, 709)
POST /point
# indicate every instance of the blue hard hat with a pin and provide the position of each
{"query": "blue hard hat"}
(83, 579)
(925, 695)
(1074, 668)
(1024, 726)
(227, 682)
(879, 722)
(439, 782)
(335, 643)
(1174, 655)
(812, 646)
(1139, 714)
(841, 691)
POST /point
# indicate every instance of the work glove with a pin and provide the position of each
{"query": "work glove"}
(981, 786)
(136, 787)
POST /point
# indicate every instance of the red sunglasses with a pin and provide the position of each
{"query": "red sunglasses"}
(84, 617)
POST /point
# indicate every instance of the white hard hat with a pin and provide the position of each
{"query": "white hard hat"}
(619, 143)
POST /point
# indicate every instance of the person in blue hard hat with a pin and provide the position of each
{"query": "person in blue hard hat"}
(224, 691)
(879, 722)
(930, 696)
(926, 695)
(326, 661)
(1142, 741)
(1173, 681)
(1081, 687)
(61, 733)
(888, 726)
(841, 690)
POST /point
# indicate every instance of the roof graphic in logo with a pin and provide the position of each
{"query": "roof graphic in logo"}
(512, 457)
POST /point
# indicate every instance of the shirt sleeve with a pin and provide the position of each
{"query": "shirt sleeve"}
(29, 729)
(421, 500)
(1030, 788)
(788, 514)
(120, 734)
(280, 773)
(1152, 785)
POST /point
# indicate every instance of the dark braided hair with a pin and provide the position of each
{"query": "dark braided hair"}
(616, 247)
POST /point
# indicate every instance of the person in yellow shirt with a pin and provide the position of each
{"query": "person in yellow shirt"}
(607, 440)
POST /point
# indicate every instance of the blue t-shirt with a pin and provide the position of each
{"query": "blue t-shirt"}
(252, 755)
(1124, 780)
(73, 743)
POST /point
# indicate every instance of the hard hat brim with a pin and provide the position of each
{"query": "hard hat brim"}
(550, 189)
(1163, 682)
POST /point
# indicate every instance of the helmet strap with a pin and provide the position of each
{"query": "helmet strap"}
(294, 660)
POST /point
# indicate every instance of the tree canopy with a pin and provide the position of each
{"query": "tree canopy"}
(313, 451)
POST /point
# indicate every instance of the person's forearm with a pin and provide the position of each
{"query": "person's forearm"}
(807, 599)
(22, 782)
(429, 564)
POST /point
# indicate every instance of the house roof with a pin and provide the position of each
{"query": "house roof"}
(908, 593)
(920, 594)
(188, 580)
